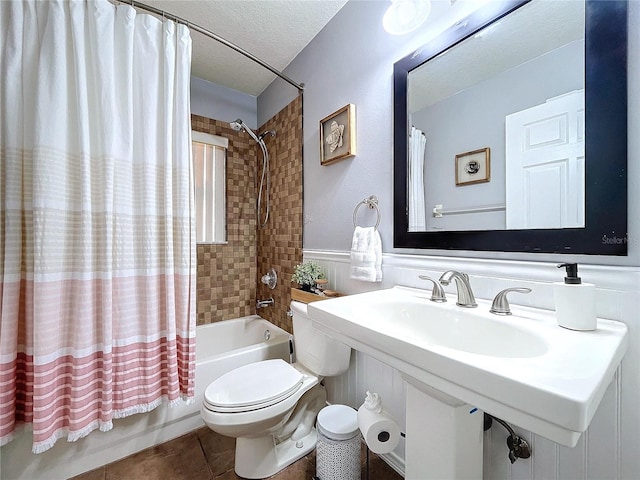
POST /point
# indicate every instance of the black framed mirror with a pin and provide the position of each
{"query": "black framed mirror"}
(605, 148)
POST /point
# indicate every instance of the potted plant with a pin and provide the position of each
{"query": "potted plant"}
(305, 274)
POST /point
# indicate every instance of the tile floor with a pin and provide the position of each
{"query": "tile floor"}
(205, 455)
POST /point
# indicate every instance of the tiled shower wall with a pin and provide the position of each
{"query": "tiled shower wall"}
(226, 286)
(280, 242)
(228, 277)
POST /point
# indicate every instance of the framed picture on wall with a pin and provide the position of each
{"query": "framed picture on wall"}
(473, 167)
(338, 135)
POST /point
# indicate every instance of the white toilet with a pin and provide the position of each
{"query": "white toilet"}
(271, 406)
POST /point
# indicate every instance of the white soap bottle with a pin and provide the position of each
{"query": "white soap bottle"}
(575, 301)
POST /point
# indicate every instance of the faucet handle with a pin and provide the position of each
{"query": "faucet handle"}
(500, 305)
(437, 292)
(270, 278)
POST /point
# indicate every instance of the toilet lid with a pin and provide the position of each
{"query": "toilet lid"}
(252, 386)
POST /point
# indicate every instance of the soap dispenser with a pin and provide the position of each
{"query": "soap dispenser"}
(575, 301)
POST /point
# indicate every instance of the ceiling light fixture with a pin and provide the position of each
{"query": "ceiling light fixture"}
(404, 16)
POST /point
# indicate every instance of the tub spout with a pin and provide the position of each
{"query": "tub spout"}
(264, 303)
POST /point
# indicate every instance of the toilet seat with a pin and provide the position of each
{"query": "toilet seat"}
(253, 386)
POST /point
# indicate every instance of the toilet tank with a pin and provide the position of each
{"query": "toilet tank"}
(318, 352)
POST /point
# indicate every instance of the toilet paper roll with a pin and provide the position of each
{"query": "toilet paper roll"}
(380, 431)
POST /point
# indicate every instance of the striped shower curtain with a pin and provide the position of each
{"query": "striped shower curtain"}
(97, 258)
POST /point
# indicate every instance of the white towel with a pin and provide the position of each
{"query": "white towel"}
(366, 255)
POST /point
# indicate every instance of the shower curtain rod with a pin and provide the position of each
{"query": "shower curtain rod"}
(216, 37)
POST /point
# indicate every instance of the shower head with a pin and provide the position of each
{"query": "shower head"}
(240, 126)
(237, 125)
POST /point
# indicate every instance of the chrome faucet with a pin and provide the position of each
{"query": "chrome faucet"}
(465, 294)
(264, 303)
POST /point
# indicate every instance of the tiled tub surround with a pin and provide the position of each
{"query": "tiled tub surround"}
(226, 286)
(609, 448)
(280, 242)
(229, 274)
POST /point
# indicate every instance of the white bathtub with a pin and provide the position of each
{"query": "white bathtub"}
(220, 347)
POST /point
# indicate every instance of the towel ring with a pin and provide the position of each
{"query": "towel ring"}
(371, 202)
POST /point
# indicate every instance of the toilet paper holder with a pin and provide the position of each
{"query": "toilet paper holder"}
(379, 429)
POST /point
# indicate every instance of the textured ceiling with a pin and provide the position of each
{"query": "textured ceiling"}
(533, 30)
(273, 30)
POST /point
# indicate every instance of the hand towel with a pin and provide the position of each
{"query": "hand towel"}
(366, 255)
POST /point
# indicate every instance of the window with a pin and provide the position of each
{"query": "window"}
(209, 167)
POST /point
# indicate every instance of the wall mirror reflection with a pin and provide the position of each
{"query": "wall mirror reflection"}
(527, 82)
(502, 89)
(209, 155)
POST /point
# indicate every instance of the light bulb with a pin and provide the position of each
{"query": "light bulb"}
(404, 16)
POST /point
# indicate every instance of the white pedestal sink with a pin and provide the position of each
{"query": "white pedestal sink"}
(522, 368)
(448, 437)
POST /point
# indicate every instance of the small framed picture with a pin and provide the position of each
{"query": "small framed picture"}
(338, 135)
(473, 167)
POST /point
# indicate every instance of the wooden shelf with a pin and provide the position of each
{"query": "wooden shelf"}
(307, 297)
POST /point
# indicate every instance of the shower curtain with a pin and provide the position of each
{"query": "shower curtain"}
(417, 216)
(97, 258)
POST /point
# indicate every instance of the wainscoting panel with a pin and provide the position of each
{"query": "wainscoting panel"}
(608, 450)
(368, 374)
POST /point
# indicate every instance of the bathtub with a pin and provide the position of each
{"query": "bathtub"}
(220, 347)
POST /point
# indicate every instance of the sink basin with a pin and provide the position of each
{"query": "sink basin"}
(449, 326)
(522, 368)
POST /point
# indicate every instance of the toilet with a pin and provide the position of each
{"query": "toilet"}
(270, 407)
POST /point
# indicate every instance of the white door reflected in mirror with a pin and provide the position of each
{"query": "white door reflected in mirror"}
(545, 164)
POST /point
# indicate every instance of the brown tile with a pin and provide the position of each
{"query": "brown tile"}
(183, 458)
(219, 450)
(300, 470)
(177, 459)
(230, 475)
(228, 276)
(221, 266)
(280, 242)
(97, 474)
(378, 469)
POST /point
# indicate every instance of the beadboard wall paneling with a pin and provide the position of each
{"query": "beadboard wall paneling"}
(369, 374)
(609, 448)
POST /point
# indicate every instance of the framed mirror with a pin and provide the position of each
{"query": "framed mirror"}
(460, 98)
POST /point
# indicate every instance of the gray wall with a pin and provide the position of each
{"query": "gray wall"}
(221, 103)
(351, 61)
